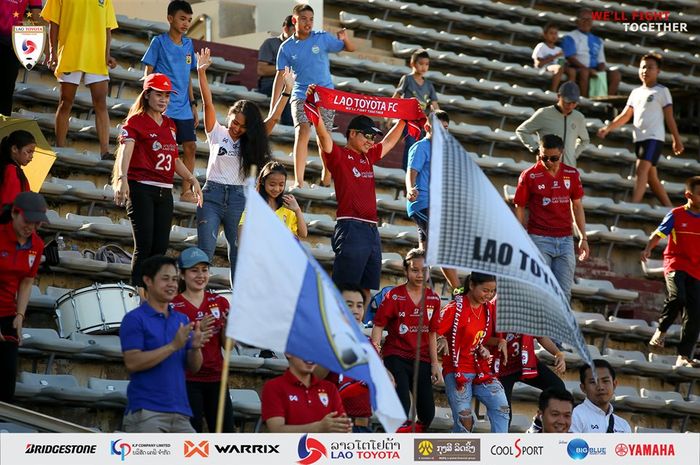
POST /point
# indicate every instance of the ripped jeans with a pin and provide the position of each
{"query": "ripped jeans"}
(491, 394)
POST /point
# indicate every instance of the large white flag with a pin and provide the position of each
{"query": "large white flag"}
(472, 228)
(284, 301)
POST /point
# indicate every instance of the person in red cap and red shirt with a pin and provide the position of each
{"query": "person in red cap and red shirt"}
(551, 191)
(147, 161)
(400, 313)
(20, 255)
(300, 402)
(356, 243)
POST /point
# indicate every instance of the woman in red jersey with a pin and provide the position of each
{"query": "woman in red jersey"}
(211, 311)
(20, 256)
(146, 163)
(465, 322)
(400, 313)
(16, 151)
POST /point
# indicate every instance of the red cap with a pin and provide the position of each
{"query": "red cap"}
(159, 82)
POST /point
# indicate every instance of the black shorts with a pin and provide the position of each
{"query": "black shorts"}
(184, 130)
(358, 254)
(649, 150)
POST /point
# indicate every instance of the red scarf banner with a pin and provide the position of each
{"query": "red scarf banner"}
(401, 108)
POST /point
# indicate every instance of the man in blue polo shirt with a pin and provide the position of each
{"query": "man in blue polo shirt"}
(158, 344)
(306, 52)
(172, 54)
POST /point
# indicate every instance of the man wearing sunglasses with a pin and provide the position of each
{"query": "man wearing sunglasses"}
(355, 241)
(552, 192)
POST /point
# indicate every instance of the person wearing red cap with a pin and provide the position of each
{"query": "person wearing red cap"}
(20, 256)
(147, 161)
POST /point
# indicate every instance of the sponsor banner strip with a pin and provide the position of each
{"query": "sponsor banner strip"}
(322, 449)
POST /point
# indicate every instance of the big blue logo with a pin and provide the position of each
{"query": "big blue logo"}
(577, 449)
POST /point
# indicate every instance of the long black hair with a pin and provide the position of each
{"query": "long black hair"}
(255, 147)
(270, 168)
(19, 139)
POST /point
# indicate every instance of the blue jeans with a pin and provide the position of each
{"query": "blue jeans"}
(558, 253)
(491, 394)
(222, 204)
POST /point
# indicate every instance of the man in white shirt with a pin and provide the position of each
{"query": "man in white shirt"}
(595, 414)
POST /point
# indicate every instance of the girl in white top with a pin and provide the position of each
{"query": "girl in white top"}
(233, 150)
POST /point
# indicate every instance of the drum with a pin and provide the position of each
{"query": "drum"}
(96, 309)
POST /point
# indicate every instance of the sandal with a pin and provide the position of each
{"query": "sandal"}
(658, 339)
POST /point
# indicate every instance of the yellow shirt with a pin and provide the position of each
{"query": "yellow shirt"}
(288, 217)
(82, 33)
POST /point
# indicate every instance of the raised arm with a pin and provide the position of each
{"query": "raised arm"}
(277, 87)
(349, 45)
(276, 109)
(203, 62)
(393, 137)
(323, 137)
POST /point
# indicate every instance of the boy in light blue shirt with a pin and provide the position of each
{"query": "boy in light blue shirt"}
(173, 55)
(306, 52)
(418, 187)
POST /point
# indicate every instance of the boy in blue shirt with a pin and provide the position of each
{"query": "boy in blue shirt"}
(306, 52)
(173, 55)
(418, 187)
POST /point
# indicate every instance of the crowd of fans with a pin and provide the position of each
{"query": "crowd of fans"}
(172, 342)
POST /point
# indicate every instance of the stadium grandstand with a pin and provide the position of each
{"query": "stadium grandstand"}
(71, 373)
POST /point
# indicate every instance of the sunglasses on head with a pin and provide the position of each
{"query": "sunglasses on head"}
(551, 159)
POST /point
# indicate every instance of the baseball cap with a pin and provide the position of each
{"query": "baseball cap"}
(364, 124)
(570, 92)
(159, 82)
(190, 257)
(32, 206)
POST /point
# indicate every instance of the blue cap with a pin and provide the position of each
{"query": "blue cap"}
(191, 257)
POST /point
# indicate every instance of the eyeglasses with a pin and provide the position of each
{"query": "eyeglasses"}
(550, 159)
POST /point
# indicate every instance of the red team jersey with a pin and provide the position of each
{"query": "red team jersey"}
(155, 149)
(16, 263)
(217, 306)
(400, 315)
(287, 397)
(682, 227)
(471, 329)
(548, 199)
(354, 182)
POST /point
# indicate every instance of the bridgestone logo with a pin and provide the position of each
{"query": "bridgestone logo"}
(60, 449)
(248, 449)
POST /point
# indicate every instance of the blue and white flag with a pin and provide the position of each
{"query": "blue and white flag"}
(284, 301)
(471, 228)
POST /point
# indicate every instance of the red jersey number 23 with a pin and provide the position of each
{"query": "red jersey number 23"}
(164, 162)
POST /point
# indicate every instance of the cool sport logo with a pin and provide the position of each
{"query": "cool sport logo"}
(28, 46)
(310, 450)
(578, 449)
(120, 448)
